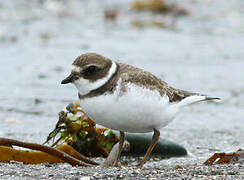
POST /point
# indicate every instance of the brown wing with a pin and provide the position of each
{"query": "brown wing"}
(130, 74)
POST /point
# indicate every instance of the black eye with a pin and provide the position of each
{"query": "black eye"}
(91, 70)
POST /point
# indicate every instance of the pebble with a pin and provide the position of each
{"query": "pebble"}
(152, 171)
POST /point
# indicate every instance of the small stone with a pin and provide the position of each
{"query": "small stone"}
(12, 120)
(37, 101)
(42, 76)
(85, 178)
(58, 69)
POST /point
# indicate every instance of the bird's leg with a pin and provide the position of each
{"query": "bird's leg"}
(155, 139)
(121, 142)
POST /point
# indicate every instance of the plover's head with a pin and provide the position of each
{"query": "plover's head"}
(90, 71)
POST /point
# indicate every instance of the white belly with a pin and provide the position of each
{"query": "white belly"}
(137, 110)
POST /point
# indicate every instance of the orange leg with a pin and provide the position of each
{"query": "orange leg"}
(155, 139)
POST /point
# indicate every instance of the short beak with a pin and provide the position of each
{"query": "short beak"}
(69, 79)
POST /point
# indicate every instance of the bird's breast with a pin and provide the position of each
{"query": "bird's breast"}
(135, 110)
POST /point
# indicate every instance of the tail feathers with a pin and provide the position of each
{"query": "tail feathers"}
(211, 98)
(194, 99)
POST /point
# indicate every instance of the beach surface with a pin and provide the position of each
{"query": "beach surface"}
(201, 52)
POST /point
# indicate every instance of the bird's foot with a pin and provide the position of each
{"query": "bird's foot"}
(140, 164)
(110, 164)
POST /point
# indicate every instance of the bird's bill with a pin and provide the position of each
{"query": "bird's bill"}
(69, 79)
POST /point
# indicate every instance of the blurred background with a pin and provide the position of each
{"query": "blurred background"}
(195, 45)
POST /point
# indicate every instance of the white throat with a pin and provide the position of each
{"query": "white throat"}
(85, 86)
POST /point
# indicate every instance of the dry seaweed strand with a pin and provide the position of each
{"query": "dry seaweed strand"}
(8, 154)
(52, 151)
(159, 6)
(225, 158)
(150, 5)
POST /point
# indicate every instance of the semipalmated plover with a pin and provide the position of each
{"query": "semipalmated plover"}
(125, 98)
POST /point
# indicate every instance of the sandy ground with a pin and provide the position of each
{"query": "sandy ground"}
(202, 52)
(155, 169)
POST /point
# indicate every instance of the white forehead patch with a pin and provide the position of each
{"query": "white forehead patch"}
(76, 69)
(84, 86)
